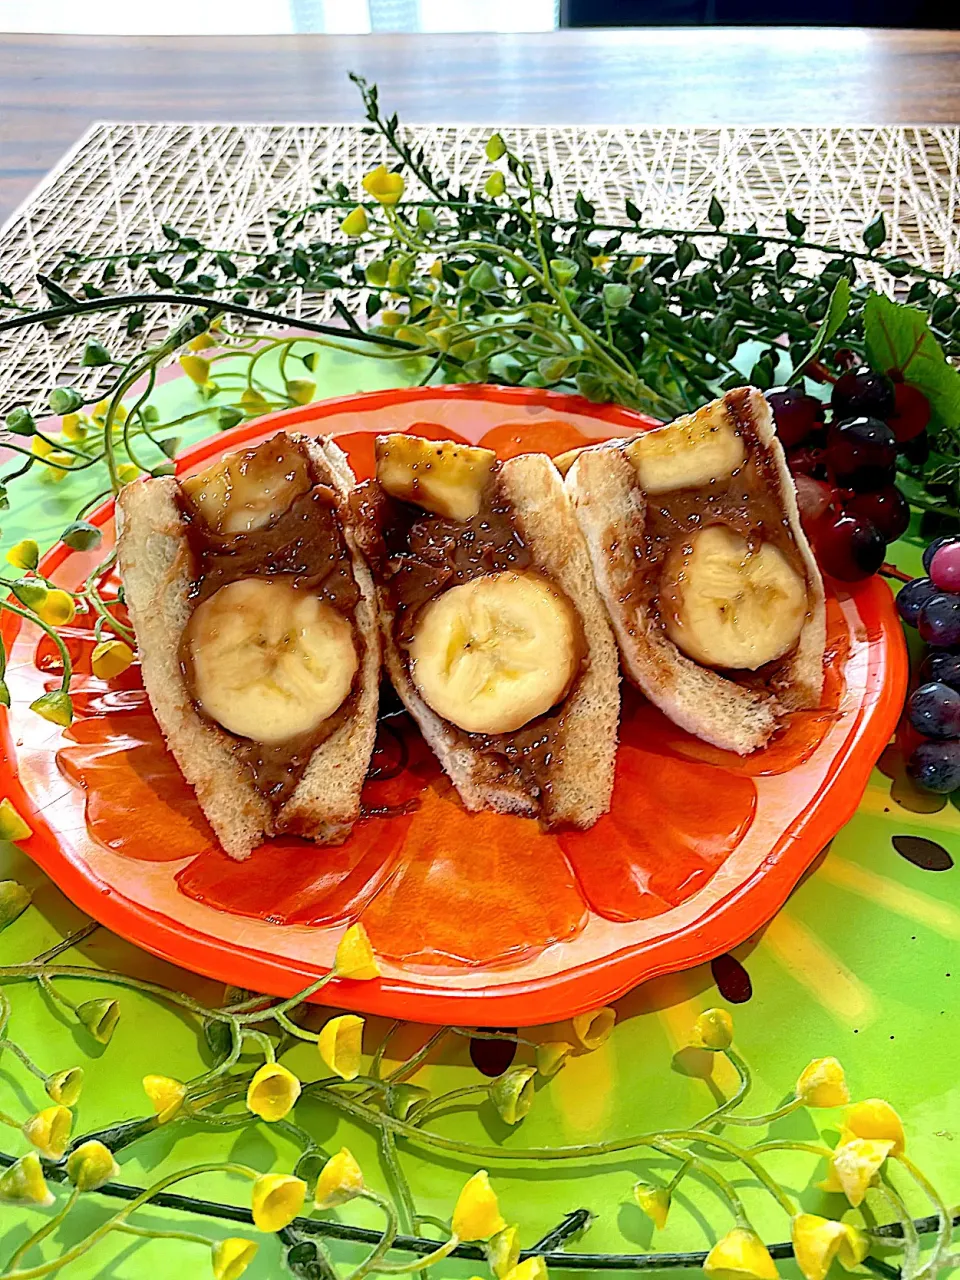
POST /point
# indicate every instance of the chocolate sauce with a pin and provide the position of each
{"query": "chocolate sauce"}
(305, 546)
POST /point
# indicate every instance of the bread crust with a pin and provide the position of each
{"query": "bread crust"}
(157, 569)
(611, 510)
(579, 782)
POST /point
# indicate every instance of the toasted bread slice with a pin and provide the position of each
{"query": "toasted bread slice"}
(574, 782)
(735, 710)
(158, 569)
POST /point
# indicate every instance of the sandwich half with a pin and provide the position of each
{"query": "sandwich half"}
(256, 626)
(494, 635)
(708, 579)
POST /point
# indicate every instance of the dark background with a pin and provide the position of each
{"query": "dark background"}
(944, 14)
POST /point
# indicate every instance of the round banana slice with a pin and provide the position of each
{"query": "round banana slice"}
(494, 653)
(268, 662)
(725, 605)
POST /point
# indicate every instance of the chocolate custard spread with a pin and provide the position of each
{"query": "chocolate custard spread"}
(744, 501)
(305, 545)
(416, 556)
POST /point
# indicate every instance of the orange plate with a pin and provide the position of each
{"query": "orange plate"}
(479, 918)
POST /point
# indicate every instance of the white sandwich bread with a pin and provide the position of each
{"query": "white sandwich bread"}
(256, 626)
(494, 635)
(706, 574)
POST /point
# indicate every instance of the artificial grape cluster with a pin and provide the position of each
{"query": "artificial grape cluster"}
(843, 457)
(932, 605)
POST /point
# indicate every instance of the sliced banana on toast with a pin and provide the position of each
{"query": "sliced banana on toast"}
(256, 624)
(715, 597)
(494, 635)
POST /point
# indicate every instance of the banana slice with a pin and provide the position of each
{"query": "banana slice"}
(494, 653)
(446, 478)
(248, 490)
(727, 606)
(694, 450)
(268, 662)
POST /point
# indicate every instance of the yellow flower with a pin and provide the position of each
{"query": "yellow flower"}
(503, 1251)
(476, 1215)
(24, 554)
(340, 1180)
(14, 900)
(277, 1199)
(654, 1201)
(253, 402)
(56, 608)
(40, 447)
(874, 1118)
(713, 1030)
(91, 1165)
(166, 1095)
(817, 1241)
(197, 369)
(201, 342)
(355, 958)
(231, 1257)
(854, 1166)
(110, 658)
(740, 1255)
(49, 1131)
(100, 1017)
(60, 464)
(65, 1086)
(634, 265)
(822, 1084)
(512, 1093)
(355, 223)
(272, 1092)
(74, 427)
(127, 472)
(387, 188)
(340, 1045)
(600, 260)
(23, 1183)
(100, 412)
(551, 1055)
(12, 825)
(530, 1269)
(592, 1029)
(301, 390)
(436, 269)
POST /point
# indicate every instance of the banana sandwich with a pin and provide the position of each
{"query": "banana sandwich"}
(714, 595)
(494, 635)
(256, 624)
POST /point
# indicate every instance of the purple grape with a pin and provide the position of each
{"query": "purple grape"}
(934, 710)
(939, 620)
(863, 391)
(936, 766)
(933, 548)
(945, 566)
(912, 597)
(862, 453)
(943, 667)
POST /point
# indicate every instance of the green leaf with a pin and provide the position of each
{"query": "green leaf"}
(795, 227)
(875, 232)
(684, 254)
(172, 234)
(786, 259)
(134, 322)
(160, 278)
(898, 337)
(837, 310)
(715, 213)
(81, 536)
(633, 213)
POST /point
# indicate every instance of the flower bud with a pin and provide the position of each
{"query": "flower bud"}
(253, 402)
(24, 554)
(166, 1094)
(197, 369)
(201, 342)
(551, 1055)
(740, 1255)
(49, 1131)
(95, 355)
(402, 1098)
(592, 1029)
(14, 897)
(20, 421)
(272, 1092)
(228, 417)
(436, 269)
(503, 1251)
(713, 1030)
(375, 272)
(356, 222)
(30, 591)
(57, 608)
(59, 464)
(530, 1269)
(874, 1118)
(495, 185)
(495, 148)
(127, 473)
(340, 1180)
(64, 1086)
(91, 1166)
(23, 1183)
(483, 278)
(822, 1084)
(340, 1045)
(13, 827)
(100, 1017)
(355, 958)
(110, 658)
(301, 390)
(512, 1093)
(387, 188)
(616, 296)
(65, 400)
(817, 1241)
(854, 1166)
(230, 1258)
(73, 427)
(654, 1201)
(55, 707)
(276, 1201)
(81, 535)
(476, 1215)
(564, 270)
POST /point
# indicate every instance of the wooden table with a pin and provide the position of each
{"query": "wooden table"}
(52, 87)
